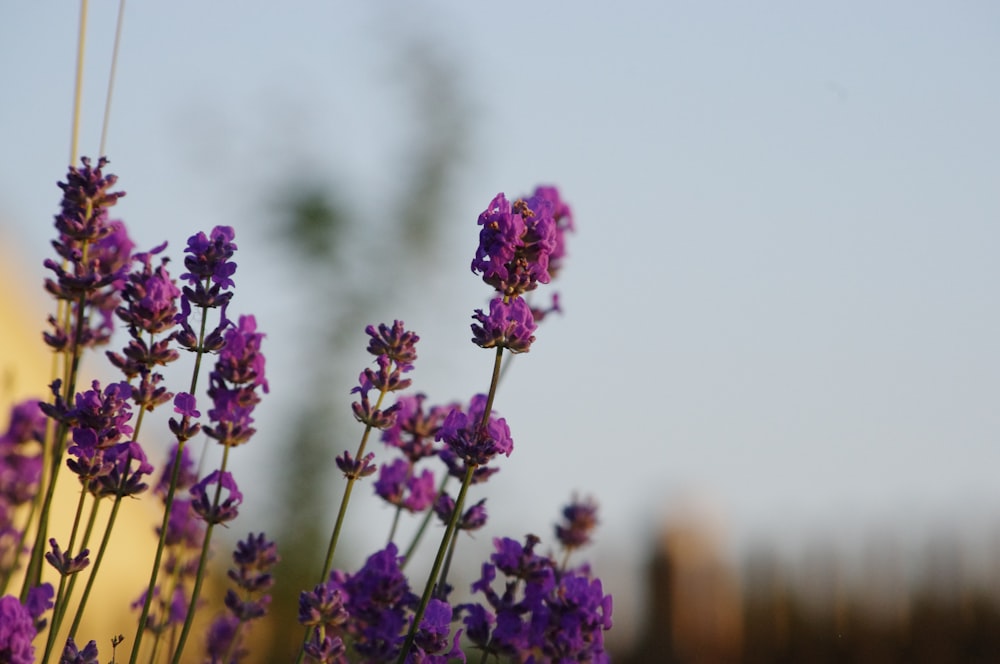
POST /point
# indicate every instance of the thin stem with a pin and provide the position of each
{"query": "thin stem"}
(331, 549)
(78, 84)
(59, 607)
(202, 563)
(452, 530)
(423, 525)
(436, 568)
(341, 514)
(395, 524)
(111, 78)
(95, 567)
(169, 500)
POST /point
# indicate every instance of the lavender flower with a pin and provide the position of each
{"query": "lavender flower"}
(122, 479)
(228, 509)
(64, 563)
(238, 373)
(209, 275)
(95, 251)
(20, 462)
(558, 615)
(470, 440)
(515, 243)
(414, 429)
(508, 325)
(431, 644)
(71, 655)
(474, 518)
(581, 520)
(17, 629)
(254, 557)
(151, 308)
(398, 485)
(378, 601)
(396, 343)
(562, 215)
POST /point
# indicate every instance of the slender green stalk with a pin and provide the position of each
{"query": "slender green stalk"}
(452, 530)
(111, 78)
(202, 563)
(341, 514)
(59, 608)
(423, 526)
(81, 48)
(328, 563)
(169, 500)
(436, 568)
(95, 567)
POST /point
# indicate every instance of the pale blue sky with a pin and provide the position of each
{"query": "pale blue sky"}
(783, 292)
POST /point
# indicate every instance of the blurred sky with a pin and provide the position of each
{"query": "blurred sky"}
(782, 298)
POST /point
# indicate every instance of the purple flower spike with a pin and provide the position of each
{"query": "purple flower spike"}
(71, 655)
(63, 562)
(186, 404)
(508, 325)
(39, 601)
(515, 243)
(563, 217)
(209, 257)
(228, 509)
(356, 468)
(469, 440)
(581, 520)
(17, 629)
(323, 607)
(395, 342)
(397, 485)
(432, 643)
(473, 519)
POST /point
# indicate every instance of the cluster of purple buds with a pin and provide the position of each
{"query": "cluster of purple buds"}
(371, 609)
(521, 244)
(20, 471)
(150, 308)
(209, 278)
(19, 623)
(73, 655)
(473, 439)
(95, 255)
(103, 457)
(233, 384)
(544, 613)
(254, 557)
(395, 351)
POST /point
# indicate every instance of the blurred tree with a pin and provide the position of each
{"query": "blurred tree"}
(320, 228)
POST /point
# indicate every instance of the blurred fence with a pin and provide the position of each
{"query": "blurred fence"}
(938, 603)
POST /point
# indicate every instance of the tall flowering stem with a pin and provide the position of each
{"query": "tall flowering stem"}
(233, 384)
(395, 351)
(209, 278)
(94, 254)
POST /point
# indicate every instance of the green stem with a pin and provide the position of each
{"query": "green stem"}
(423, 526)
(341, 514)
(436, 568)
(169, 500)
(62, 597)
(202, 563)
(95, 567)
